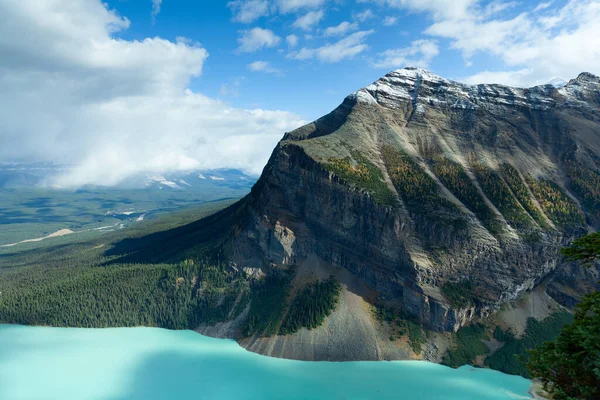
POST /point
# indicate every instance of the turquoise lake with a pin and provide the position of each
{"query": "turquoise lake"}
(148, 363)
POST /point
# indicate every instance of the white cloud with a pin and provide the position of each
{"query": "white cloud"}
(542, 6)
(302, 54)
(286, 6)
(496, 7)
(72, 93)
(347, 47)
(389, 21)
(341, 29)
(502, 77)
(363, 16)
(247, 11)
(310, 19)
(292, 40)
(438, 8)
(156, 7)
(263, 66)
(418, 54)
(529, 48)
(256, 39)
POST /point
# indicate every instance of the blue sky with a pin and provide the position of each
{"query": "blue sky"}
(309, 87)
(125, 87)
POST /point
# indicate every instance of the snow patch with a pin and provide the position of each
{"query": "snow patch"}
(425, 89)
(363, 96)
(161, 179)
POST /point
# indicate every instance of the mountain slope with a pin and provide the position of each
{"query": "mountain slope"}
(445, 198)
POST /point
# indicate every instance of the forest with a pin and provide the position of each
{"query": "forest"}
(125, 279)
(274, 310)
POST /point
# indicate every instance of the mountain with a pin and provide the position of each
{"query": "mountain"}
(19, 175)
(193, 181)
(443, 199)
(31, 175)
(31, 208)
(420, 219)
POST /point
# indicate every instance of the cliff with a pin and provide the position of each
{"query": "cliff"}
(443, 199)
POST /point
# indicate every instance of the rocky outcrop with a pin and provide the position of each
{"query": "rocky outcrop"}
(446, 198)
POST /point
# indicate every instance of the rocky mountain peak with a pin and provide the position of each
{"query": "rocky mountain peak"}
(588, 77)
(421, 88)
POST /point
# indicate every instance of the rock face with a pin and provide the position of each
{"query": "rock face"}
(446, 198)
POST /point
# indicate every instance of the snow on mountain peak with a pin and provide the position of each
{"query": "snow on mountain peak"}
(424, 89)
(161, 180)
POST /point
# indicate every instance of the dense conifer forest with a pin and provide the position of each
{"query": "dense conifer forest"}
(124, 279)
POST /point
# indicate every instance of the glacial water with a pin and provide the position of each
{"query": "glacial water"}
(147, 363)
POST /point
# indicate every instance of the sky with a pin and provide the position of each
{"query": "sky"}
(126, 87)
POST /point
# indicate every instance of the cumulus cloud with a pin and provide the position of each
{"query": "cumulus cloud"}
(247, 11)
(418, 54)
(531, 46)
(72, 93)
(534, 47)
(341, 29)
(257, 38)
(263, 66)
(310, 19)
(347, 47)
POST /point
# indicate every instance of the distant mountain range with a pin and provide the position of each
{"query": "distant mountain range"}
(21, 175)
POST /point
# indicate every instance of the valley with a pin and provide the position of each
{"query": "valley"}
(30, 210)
